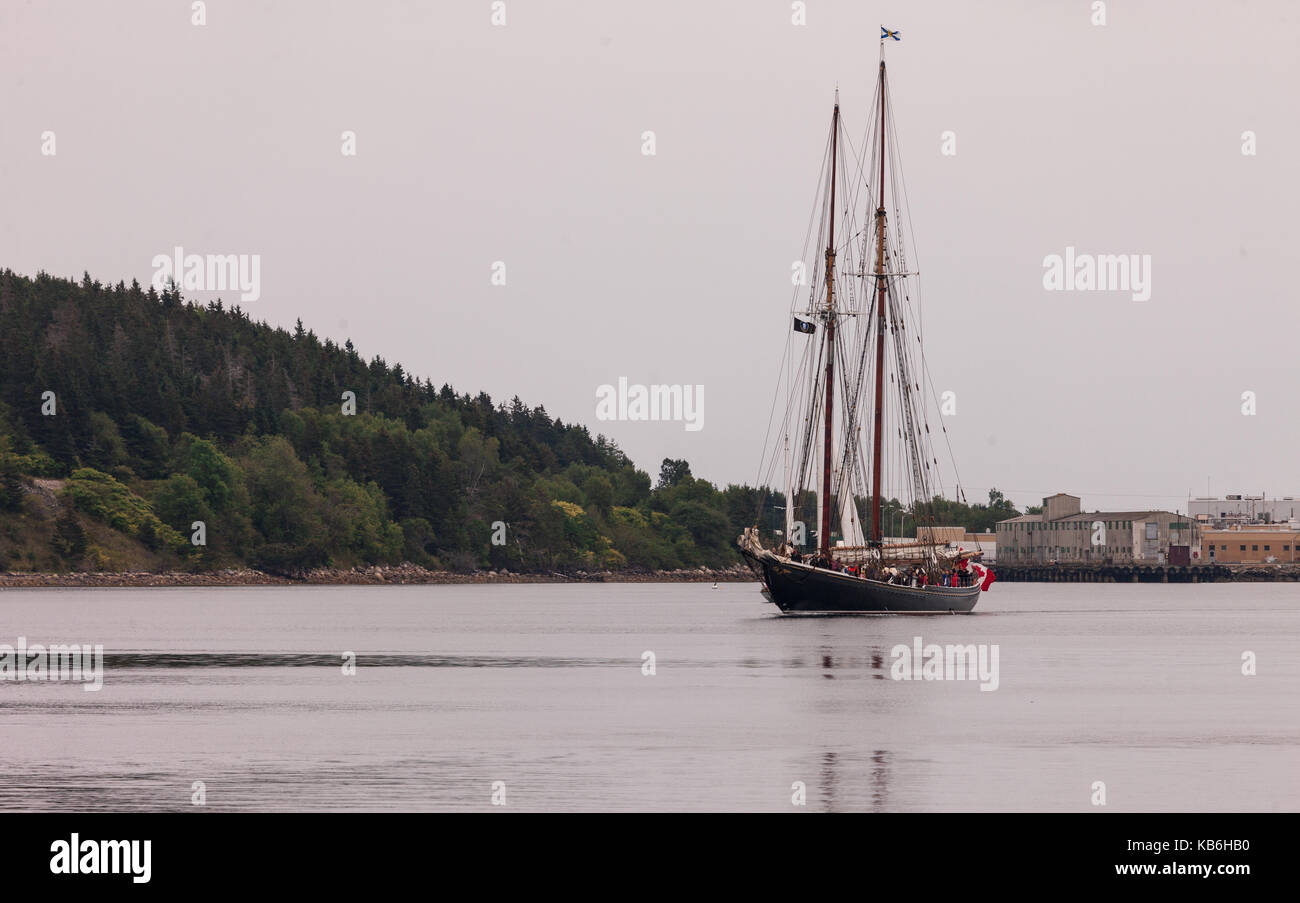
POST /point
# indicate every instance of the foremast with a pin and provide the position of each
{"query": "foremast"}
(824, 528)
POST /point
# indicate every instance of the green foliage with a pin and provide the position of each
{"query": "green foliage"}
(11, 481)
(106, 448)
(285, 509)
(672, 472)
(357, 523)
(38, 463)
(579, 529)
(630, 518)
(69, 538)
(148, 535)
(147, 445)
(179, 501)
(707, 525)
(100, 496)
(210, 469)
(418, 541)
(598, 492)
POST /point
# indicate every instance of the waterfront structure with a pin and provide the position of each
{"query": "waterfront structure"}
(1244, 509)
(1258, 544)
(1064, 532)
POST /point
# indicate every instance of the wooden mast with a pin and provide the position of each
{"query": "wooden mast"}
(824, 534)
(877, 538)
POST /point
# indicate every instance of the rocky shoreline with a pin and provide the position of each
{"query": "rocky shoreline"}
(405, 574)
(364, 576)
(1264, 573)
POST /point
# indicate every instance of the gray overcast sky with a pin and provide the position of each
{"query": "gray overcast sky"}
(523, 144)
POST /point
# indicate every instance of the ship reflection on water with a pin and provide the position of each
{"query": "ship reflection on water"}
(872, 661)
(840, 768)
(876, 767)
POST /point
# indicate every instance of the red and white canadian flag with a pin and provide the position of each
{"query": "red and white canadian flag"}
(983, 576)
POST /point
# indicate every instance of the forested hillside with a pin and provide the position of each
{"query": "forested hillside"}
(165, 413)
(128, 418)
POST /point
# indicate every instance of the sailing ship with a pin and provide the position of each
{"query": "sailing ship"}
(860, 334)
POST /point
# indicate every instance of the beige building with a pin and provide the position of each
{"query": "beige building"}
(960, 538)
(1064, 532)
(1250, 545)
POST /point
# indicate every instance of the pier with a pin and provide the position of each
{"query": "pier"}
(1118, 573)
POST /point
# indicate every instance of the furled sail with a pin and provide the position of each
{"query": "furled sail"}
(850, 525)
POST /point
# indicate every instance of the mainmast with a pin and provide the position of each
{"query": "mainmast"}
(877, 538)
(824, 534)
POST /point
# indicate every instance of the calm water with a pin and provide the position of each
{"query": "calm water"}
(541, 687)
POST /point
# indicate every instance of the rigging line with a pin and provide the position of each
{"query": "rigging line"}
(813, 405)
(917, 446)
(820, 203)
(765, 477)
(944, 427)
(771, 415)
(852, 383)
(807, 234)
(763, 458)
(859, 179)
(818, 200)
(898, 185)
(902, 178)
(843, 477)
(785, 430)
(794, 407)
(901, 182)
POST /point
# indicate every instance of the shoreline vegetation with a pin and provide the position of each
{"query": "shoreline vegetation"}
(415, 575)
(378, 575)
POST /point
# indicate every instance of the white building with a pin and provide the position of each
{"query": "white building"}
(1245, 509)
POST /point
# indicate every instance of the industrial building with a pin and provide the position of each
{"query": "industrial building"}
(1064, 532)
(1232, 510)
(1259, 544)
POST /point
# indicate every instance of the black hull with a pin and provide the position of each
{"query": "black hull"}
(798, 588)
